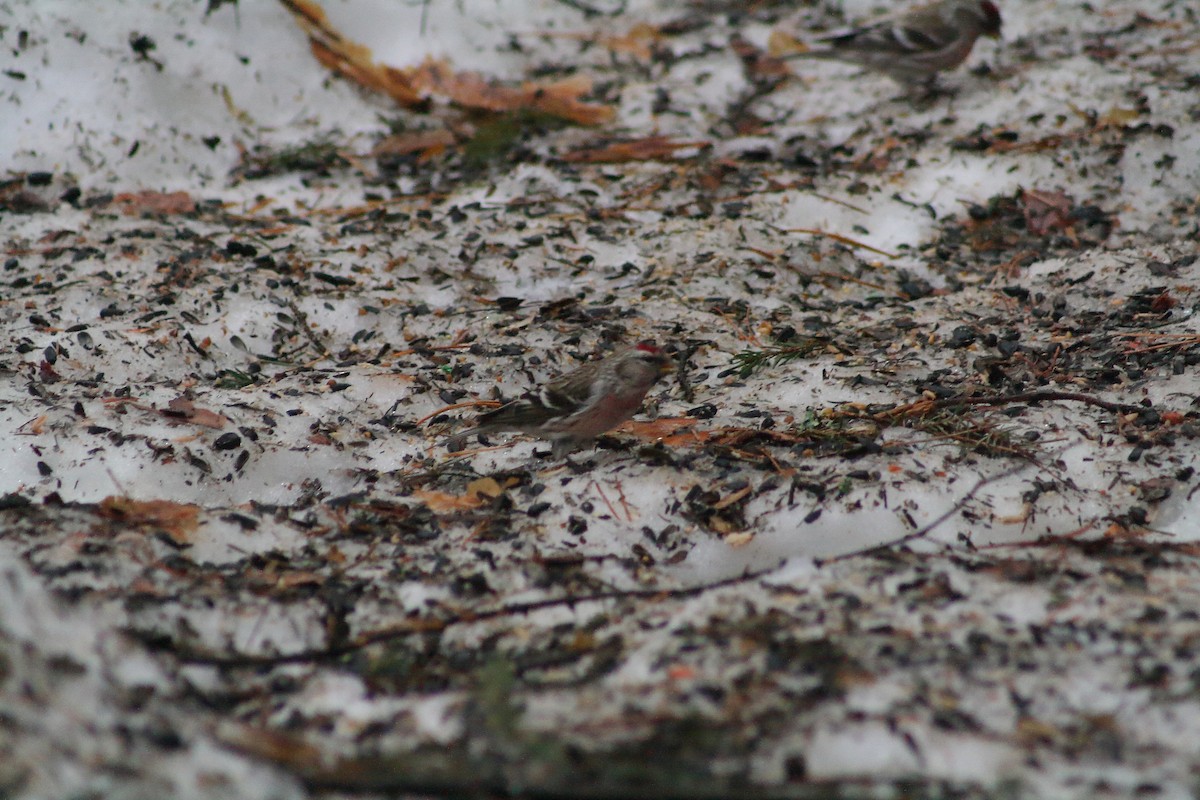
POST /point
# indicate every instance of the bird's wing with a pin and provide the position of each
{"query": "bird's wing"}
(559, 398)
(921, 30)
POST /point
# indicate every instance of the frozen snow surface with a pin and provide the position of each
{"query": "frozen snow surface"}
(242, 316)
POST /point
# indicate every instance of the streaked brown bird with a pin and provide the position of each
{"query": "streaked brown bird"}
(579, 406)
(914, 47)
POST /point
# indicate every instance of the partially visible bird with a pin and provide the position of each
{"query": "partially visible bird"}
(579, 406)
(914, 47)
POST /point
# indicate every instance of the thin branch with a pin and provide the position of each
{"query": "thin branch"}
(302, 323)
(409, 627)
(837, 237)
(924, 406)
(843, 277)
(829, 199)
(453, 406)
(926, 529)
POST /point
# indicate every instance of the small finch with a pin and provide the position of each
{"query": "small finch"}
(581, 405)
(914, 47)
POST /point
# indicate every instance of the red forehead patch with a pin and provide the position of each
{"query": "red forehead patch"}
(991, 17)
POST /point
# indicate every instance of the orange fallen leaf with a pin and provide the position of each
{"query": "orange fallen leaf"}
(660, 428)
(650, 148)
(848, 677)
(561, 99)
(680, 431)
(54, 236)
(757, 63)
(148, 202)
(354, 61)
(469, 89)
(730, 535)
(1031, 731)
(729, 500)
(485, 487)
(680, 672)
(479, 492)
(638, 41)
(691, 436)
(350, 59)
(141, 586)
(1117, 117)
(473, 90)
(442, 502)
(178, 520)
(1163, 302)
(185, 410)
(269, 745)
(427, 143)
(879, 157)
(410, 87)
(290, 580)
(780, 45)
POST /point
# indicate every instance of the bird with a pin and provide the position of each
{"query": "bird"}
(914, 47)
(579, 406)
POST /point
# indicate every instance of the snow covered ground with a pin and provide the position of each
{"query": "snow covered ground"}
(240, 329)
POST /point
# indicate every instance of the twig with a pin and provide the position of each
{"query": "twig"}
(624, 502)
(302, 324)
(924, 406)
(604, 497)
(409, 627)
(840, 238)
(834, 200)
(926, 529)
(1042, 541)
(859, 281)
(453, 406)
(591, 10)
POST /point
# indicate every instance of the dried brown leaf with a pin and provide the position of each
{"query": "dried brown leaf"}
(148, 202)
(350, 59)
(281, 748)
(484, 487)
(780, 44)
(291, 580)
(184, 410)
(1117, 117)
(1046, 211)
(757, 63)
(178, 520)
(736, 497)
(444, 502)
(650, 148)
(664, 428)
(472, 90)
(427, 143)
(410, 87)
(638, 41)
